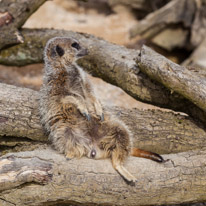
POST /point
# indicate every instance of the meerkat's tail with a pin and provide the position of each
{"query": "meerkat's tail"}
(145, 154)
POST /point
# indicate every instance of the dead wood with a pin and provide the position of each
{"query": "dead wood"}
(162, 132)
(179, 24)
(13, 15)
(174, 12)
(43, 177)
(174, 77)
(113, 63)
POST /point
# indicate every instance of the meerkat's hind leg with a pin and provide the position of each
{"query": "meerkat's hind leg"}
(69, 156)
(123, 171)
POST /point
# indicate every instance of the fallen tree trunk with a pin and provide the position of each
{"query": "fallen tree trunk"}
(43, 177)
(113, 63)
(162, 132)
(46, 174)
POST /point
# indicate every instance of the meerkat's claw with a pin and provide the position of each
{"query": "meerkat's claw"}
(88, 117)
(102, 117)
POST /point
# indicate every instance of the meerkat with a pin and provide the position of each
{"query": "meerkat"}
(73, 116)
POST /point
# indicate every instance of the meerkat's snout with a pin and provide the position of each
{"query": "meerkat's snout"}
(82, 52)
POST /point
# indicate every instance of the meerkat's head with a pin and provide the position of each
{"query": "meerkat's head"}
(63, 51)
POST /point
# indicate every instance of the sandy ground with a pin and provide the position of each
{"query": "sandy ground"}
(63, 14)
(69, 16)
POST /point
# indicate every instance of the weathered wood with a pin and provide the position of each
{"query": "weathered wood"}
(113, 63)
(174, 77)
(86, 181)
(19, 113)
(17, 171)
(13, 15)
(174, 12)
(162, 132)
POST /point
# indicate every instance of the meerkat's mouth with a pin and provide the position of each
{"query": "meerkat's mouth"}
(83, 52)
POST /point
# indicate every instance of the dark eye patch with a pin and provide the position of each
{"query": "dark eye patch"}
(75, 45)
(59, 50)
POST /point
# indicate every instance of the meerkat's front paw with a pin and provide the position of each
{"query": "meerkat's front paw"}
(102, 117)
(85, 113)
(99, 110)
(88, 117)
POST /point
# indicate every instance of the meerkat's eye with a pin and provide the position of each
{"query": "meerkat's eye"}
(59, 50)
(76, 45)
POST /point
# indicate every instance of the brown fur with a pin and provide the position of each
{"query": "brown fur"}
(73, 116)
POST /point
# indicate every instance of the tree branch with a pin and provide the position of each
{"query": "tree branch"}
(174, 77)
(162, 132)
(86, 181)
(113, 63)
(174, 12)
(13, 15)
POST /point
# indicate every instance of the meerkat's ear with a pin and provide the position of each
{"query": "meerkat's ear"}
(59, 50)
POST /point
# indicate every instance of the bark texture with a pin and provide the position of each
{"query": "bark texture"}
(161, 132)
(174, 77)
(13, 15)
(45, 178)
(113, 63)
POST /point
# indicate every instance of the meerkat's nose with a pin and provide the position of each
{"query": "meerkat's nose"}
(82, 52)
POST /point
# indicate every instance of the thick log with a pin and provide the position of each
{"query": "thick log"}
(113, 63)
(17, 171)
(19, 113)
(13, 15)
(174, 77)
(43, 177)
(162, 132)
